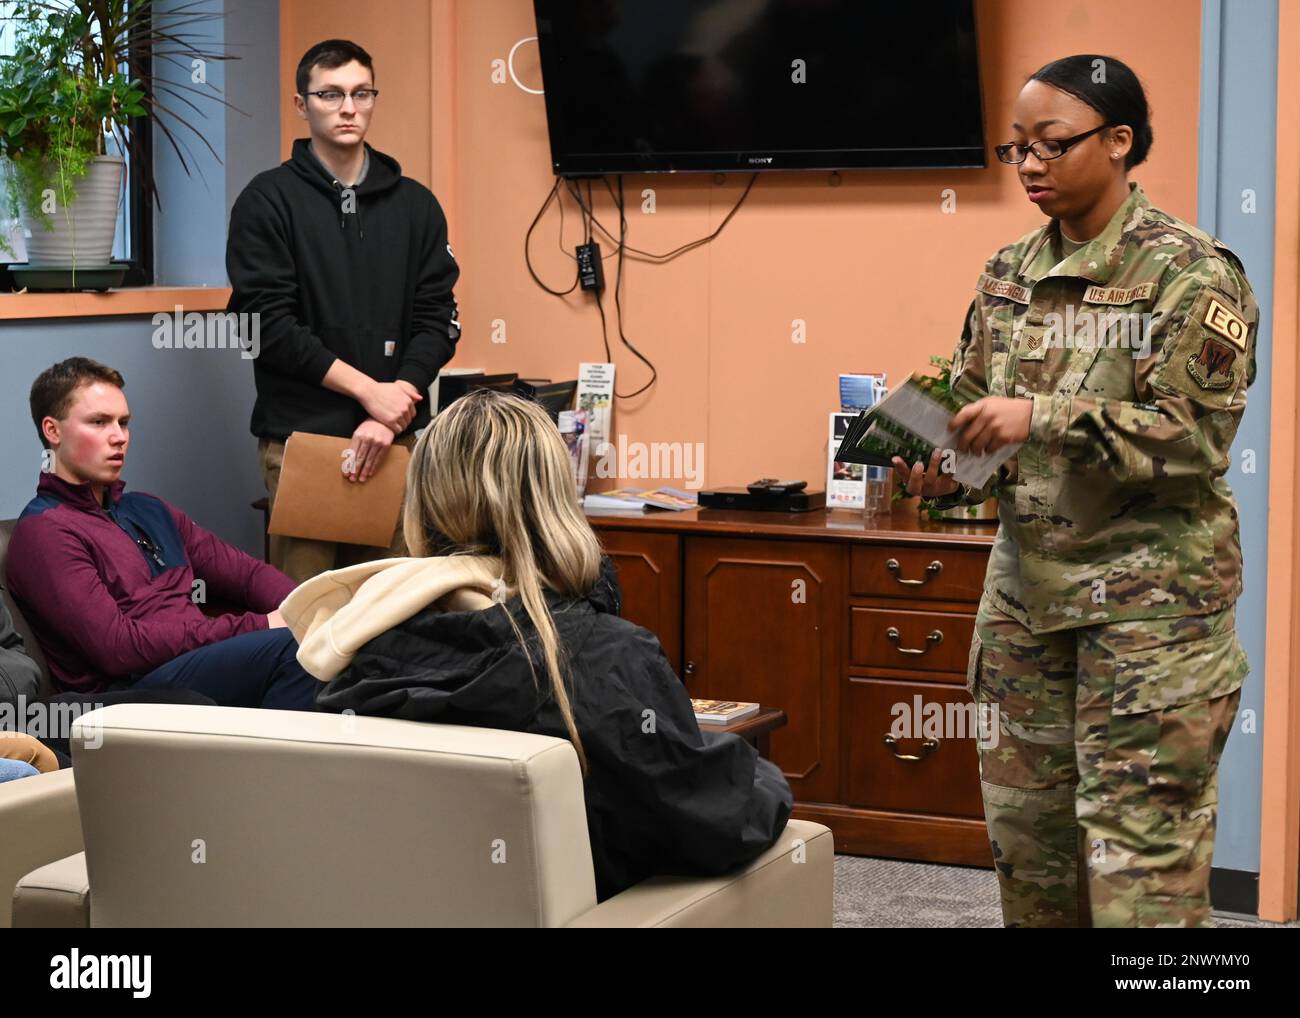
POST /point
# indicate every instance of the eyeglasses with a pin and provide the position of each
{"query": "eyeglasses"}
(331, 99)
(1048, 148)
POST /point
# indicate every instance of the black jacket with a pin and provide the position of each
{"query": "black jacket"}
(19, 674)
(666, 800)
(328, 283)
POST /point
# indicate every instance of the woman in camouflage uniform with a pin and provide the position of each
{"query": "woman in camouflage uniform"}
(1116, 343)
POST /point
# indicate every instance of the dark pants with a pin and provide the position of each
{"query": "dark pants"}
(258, 669)
(85, 702)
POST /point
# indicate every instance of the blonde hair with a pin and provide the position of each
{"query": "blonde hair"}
(491, 476)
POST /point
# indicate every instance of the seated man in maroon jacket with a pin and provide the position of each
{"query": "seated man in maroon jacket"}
(107, 580)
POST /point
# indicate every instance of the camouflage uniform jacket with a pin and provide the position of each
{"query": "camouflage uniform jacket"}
(1136, 350)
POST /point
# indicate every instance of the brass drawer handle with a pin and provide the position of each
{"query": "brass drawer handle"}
(932, 570)
(927, 747)
(934, 639)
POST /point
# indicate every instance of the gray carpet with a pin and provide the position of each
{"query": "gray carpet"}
(889, 893)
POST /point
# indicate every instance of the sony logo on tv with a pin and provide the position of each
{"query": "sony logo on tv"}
(760, 160)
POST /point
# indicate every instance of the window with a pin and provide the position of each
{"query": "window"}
(133, 240)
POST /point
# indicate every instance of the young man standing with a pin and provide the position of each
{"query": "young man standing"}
(346, 263)
(106, 580)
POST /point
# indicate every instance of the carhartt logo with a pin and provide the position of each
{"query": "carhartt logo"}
(101, 972)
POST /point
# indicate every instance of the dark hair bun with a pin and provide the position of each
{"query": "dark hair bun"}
(1110, 87)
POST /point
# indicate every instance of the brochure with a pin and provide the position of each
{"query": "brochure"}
(912, 422)
(574, 431)
(596, 396)
(845, 482)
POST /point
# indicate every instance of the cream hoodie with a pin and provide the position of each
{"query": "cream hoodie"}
(333, 614)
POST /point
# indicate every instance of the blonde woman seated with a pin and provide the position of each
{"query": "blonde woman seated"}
(505, 559)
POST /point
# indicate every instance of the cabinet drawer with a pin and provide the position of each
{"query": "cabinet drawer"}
(936, 573)
(944, 780)
(921, 641)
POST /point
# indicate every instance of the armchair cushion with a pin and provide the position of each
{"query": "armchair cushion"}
(38, 824)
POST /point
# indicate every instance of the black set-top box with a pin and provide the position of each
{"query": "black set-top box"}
(742, 498)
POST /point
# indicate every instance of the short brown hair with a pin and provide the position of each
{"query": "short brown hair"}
(53, 389)
(330, 54)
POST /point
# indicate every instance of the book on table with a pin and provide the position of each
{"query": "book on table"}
(722, 711)
(634, 500)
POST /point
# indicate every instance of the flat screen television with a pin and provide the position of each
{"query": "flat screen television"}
(654, 86)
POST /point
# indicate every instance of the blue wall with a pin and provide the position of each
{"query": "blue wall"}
(1238, 153)
(190, 441)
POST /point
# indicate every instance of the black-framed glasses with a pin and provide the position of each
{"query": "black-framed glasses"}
(1044, 150)
(332, 99)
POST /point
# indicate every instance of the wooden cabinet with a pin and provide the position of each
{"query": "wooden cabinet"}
(935, 574)
(930, 775)
(650, 573)
(927, 644)
(842, 623)
(763, 623)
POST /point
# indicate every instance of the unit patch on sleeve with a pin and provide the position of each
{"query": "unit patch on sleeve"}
(1212, 367)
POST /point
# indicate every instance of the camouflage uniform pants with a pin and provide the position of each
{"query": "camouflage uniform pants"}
(1101, 791)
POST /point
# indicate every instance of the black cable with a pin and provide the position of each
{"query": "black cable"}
(561, 238)
(576, 193)
(689, 246)
(587, 219)
(618, 286)
(621, 249)
(604, 331)
(529, 236)
(600, 292)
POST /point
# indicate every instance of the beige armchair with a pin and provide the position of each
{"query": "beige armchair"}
(38, 823)
(217, 816)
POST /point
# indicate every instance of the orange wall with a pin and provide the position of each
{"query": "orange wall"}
(879, 273)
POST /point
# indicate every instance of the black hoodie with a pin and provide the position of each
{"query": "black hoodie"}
(338, 275)
(661, 796)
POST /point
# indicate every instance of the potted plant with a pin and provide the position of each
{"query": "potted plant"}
(81, 72)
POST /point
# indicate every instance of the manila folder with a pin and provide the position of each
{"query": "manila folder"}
(315, 499)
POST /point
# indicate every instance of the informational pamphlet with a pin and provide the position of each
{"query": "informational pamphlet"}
(912, 422)
(845, 482)
(575, 430)
(596, 396)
